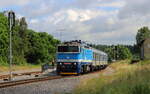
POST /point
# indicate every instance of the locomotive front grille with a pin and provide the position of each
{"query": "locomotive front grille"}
(67, 67)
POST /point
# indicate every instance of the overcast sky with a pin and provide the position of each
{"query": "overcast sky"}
(98, 21)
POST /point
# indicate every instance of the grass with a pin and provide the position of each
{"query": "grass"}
(5, 68)
(126, 79)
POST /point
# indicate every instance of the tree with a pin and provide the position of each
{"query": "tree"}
(42, 47)
(116, 52)
(23, 35)
(4, 41)
(123, 53)
(28, 46)
(142, 34)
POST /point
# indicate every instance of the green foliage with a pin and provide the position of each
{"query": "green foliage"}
(3, 60)
(3, 39)
(28, 46)
(123, 53)
(115, 52)
(135, 51)
(42, 50)
(142, 34)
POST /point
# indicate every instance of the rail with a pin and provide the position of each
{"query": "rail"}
(19, 82)
(19, 74)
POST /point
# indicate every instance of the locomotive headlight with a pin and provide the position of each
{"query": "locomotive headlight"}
(60, 63)
(75, 63)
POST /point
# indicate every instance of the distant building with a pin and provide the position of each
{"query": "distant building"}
(145, 49)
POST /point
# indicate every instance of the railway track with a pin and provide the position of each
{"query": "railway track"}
(4, 76)
(20, 74)
(25, 81)
(19, 82)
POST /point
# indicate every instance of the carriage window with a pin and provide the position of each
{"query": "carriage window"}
(68, 49)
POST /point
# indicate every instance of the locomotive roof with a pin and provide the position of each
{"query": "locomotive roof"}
(83, 44)
(73, 43)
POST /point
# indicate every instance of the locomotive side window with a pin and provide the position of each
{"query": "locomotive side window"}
(62, 48)
(73, 48)
(68, 49)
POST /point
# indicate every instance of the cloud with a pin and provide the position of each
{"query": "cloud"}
(98, 21)
(82, 15)
(6, 3)
(86, 24)
(34, 21)
(135, 8)
(115, 4)
(76, 23)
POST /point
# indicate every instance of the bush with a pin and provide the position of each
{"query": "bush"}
(3, 61)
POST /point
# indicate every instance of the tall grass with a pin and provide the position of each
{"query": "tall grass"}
(127, 79)
(132, 83)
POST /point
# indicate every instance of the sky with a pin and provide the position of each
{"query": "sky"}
(94, 21)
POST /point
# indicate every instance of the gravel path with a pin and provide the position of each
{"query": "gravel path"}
(57, 86)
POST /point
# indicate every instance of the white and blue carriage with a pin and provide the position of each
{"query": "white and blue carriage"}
(76, 57)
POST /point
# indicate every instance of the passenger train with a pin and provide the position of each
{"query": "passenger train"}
(76, 57)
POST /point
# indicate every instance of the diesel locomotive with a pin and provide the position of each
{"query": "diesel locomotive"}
(76, 57)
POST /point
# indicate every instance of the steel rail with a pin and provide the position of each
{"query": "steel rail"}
(19, 74)
(25, 81)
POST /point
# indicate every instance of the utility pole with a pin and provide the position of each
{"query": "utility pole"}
(60, 36)
(11, 20)
(61, 33)
(113, 49)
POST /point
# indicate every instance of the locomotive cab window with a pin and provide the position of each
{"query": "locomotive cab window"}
(68, 49)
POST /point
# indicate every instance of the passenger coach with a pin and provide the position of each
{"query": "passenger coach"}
(77, 57)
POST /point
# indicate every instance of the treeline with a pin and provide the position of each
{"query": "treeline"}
(28, 46)
(121, 52)
(117, 52)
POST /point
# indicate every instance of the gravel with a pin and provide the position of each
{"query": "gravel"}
(57, 86)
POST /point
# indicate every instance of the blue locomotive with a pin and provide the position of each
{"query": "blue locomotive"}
(75, 57)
